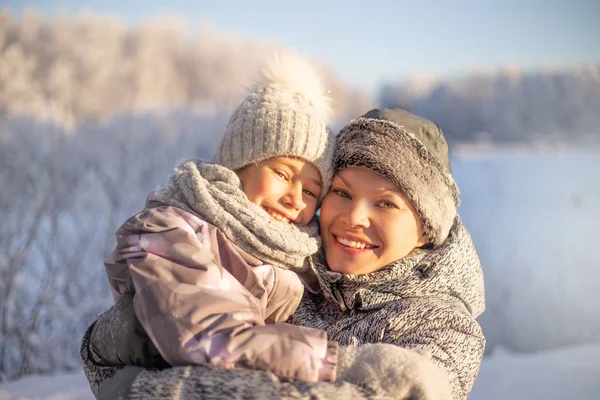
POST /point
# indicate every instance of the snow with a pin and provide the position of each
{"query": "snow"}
(533, 215)
(71, 386)
(567, 373)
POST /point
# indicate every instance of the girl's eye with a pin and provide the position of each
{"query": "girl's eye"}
(309, 192)
(341, 193)
(280, 174)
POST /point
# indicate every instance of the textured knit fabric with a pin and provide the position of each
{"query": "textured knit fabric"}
(285, 115)
(208, 383)
(213, 193)
(426, 302)
(201, 299)
(95, 369)
(412, 153)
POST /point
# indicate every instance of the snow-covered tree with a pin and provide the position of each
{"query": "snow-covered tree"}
(507, 105)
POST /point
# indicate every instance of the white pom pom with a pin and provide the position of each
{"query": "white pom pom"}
(295, 74)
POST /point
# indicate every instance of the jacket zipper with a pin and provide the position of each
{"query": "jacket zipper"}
(338, 296)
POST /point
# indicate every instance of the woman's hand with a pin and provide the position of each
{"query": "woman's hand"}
(393, 372)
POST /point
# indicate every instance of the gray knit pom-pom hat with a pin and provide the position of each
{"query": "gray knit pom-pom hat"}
(285, 115)
(410, 151)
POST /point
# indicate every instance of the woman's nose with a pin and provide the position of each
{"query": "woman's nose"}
(358, 215)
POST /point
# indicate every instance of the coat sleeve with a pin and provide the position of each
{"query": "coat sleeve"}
(210, 383)
(196, 311)
(444, 332)
(94, 369)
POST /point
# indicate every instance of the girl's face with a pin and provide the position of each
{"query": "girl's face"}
(286, 188)
(367, 223)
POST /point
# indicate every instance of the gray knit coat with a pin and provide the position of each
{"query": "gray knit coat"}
(427, 306)
(426, 303)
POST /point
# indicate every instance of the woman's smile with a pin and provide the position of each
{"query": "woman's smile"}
(366, 222)
(354, 244)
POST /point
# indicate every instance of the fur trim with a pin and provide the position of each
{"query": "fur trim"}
(291, 73)
(392, 151)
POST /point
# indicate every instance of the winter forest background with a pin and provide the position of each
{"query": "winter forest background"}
(93, 115)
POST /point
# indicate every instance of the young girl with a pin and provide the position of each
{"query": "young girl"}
(215, 257)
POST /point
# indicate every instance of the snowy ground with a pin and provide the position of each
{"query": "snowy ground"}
(561, 374)
(59, 387)
(534, 215)
(570, 373)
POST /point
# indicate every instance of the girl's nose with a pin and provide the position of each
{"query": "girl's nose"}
(294, 197)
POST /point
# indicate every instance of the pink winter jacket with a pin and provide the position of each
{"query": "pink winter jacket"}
(202, 299)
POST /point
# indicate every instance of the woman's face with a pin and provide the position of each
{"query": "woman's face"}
(367, 222)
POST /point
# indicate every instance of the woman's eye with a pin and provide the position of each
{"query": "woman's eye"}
(387, 204)
(342, 193)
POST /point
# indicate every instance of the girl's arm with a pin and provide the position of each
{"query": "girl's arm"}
(196, 311)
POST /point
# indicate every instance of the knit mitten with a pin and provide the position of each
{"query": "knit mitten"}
(393, 371)
(119, 339)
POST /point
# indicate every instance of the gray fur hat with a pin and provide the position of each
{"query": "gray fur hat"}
(285, 115)
(411, 152)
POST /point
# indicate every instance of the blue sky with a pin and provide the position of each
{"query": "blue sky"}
(388, 40)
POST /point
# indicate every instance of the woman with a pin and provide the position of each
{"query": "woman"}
(397, 267)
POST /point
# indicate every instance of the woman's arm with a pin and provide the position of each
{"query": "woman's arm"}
(442, 330)
(207, 382)
(95, 368)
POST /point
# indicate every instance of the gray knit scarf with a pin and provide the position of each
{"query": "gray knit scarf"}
(213, 193)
